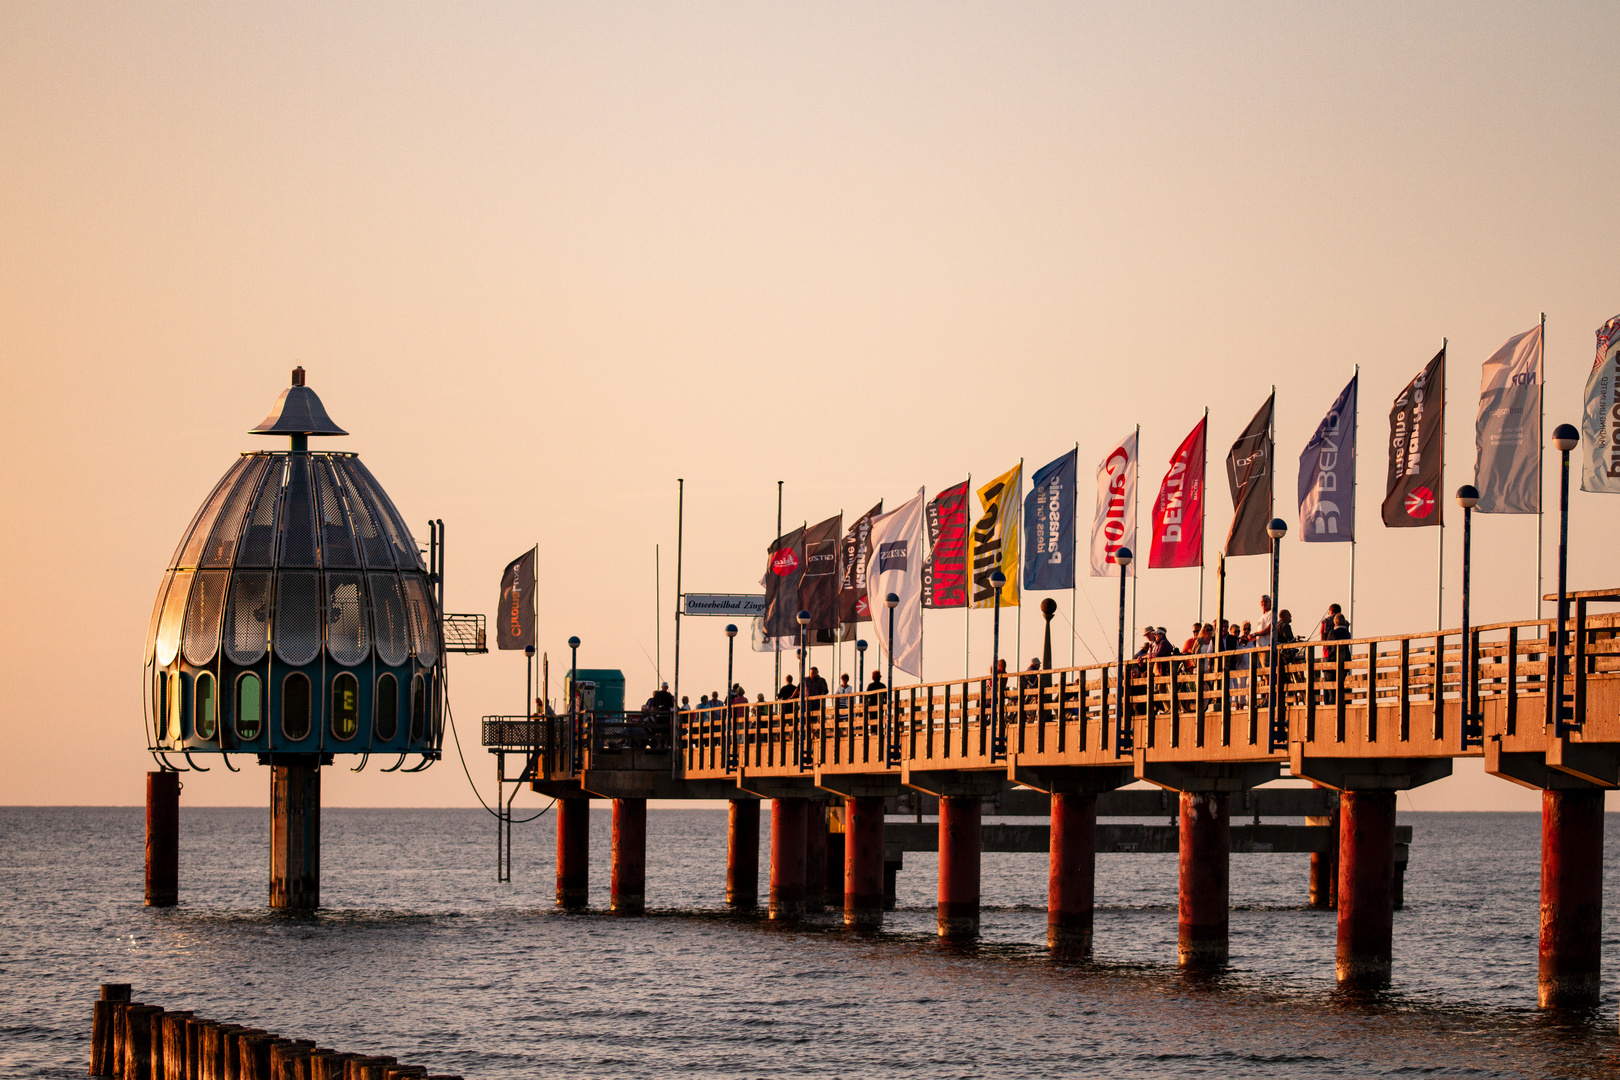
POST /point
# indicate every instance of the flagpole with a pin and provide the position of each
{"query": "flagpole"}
(967, 609)
(1018, 632)
(1355, 448)
(1074, 554)
(775, 646)
(1439, 506)
(1541, 453)
(1203, 497)
(1136, 519)
(658, 617)
(680, 532)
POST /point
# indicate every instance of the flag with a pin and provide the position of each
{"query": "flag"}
(1249, 476)
(1507, 433)
(1600, 423)
(818, 586)
(852, 606)
(515, 624)
(784, 568)
(1417, 422)
(1178, 512)
(1049, 525)
(1115, 524)
(1327, 474)
(995, 539)
(945, 570)
(896, 567)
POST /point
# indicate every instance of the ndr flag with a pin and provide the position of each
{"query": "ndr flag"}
(896, 567)
(1249, 475)
(1600, 422)
(515, 626)
(1178, 512)
(945, 570)
(1115, 523)
(1417, 450)
(1507, 433)
(995, 539)
(1049, 525)
(1327, 474)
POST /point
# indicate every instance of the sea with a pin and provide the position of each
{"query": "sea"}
(418, 952)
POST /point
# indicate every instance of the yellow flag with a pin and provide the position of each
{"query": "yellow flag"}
(995, 539)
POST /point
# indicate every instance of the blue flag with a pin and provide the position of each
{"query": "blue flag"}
(1327, 475)
(1049, 526)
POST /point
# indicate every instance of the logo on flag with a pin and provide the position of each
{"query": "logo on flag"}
(892, 556)
(1419, 502)
(785, 563)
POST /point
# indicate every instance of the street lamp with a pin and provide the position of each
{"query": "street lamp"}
(1122, 732)
(1048, 609)
(801, 725)
(998, 744)
(1277, 735)
(1473, 728)
(727, 730)
(1565, 437)
(573, 703)
(892, 752)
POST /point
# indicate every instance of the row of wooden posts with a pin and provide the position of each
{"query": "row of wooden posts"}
(133, 1041)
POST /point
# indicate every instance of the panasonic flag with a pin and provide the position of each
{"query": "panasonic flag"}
(896, 567)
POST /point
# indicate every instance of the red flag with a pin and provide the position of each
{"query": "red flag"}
(1178, 512)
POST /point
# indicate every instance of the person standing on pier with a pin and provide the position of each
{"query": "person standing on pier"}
(814, 684)
(844, 689)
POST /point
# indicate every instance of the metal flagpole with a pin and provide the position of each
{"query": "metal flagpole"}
(658, 617)
(1541, 453)
(775, 647)
(680, 532)
(1440, 573)
(1203, 498)
(967, 611)
(1355, 448)
(1136, 517)
(1074, 555)
(1018, 508)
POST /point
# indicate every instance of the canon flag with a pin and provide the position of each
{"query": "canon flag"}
(944, 574)
(1417, 450)
(818, 586)
(1327, 474)
(995, 539)
(1507, 433)
(1249, 475)
(1178, 512)
(1600, 422)
(515, 622)
(1115, 524)
(896, 567)
(784, 569)
(852, 606)
(1049, 525)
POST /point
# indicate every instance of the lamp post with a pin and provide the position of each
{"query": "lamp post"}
(801, 719)
(1122, 731)
(892, 751)
(728, 730)
(1277, 735)
(1048, 609)
(573, 704)
(998, 745)
(1473, 728)
(1565, 437)
(860, 685)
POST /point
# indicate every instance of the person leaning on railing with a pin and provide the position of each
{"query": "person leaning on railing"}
(1333, 654)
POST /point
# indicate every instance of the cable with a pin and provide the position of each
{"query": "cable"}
(456, 735)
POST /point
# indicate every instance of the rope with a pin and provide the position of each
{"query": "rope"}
(456, 735)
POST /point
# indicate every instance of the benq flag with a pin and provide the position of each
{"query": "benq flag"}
(896, 567)
(1049, 525)
(1507, 433)
(514, 626)
(1327, 475)
(1417, 450)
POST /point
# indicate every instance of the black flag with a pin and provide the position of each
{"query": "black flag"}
(852, 603)
(818, 589)
(1417, 425)
(784, 568)
(1248, 473)
(514, 623)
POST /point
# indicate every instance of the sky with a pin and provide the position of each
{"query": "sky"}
(544, 260)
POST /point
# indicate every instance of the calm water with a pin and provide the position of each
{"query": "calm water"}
(419, 953)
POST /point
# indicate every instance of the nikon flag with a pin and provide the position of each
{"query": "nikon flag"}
(852, 602)
(1507, 433)
(995, 540)
(945, 570)
(1417, 450)
(1049, 525)
(1249, 475)
(818, 586)
(1600, 418)
(514, 627)
(784, 569)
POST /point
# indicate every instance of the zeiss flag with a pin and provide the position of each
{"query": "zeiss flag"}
(1049, 526)
(1327, 475)
(896, 567)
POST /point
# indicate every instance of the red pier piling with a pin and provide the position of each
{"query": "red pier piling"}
(742, 853)
(960, 842)
(1206, 855)
(1325, 864)
(1071, 874)
(787, 859)
(1366, 886)
(1571, 898)
(573, 852)
(162, 839)
(629, 888)
(815, 855)
(863, 861)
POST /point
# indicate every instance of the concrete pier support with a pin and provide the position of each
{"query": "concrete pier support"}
(960, 843)
(1324, 885)
(833, 874)
(295, 835)
(1206, 853)
(787, 859)
(1071, 874)
(815, 854)
(573, 852)
(863, 861)
(742, 853)
(629, 888)
(1571, 898)
(1366, 886)
(162, 839)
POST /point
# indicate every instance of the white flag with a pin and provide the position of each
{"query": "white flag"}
(1600, 425)
(1507, 439)
(1115, 526)
(895, 566)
